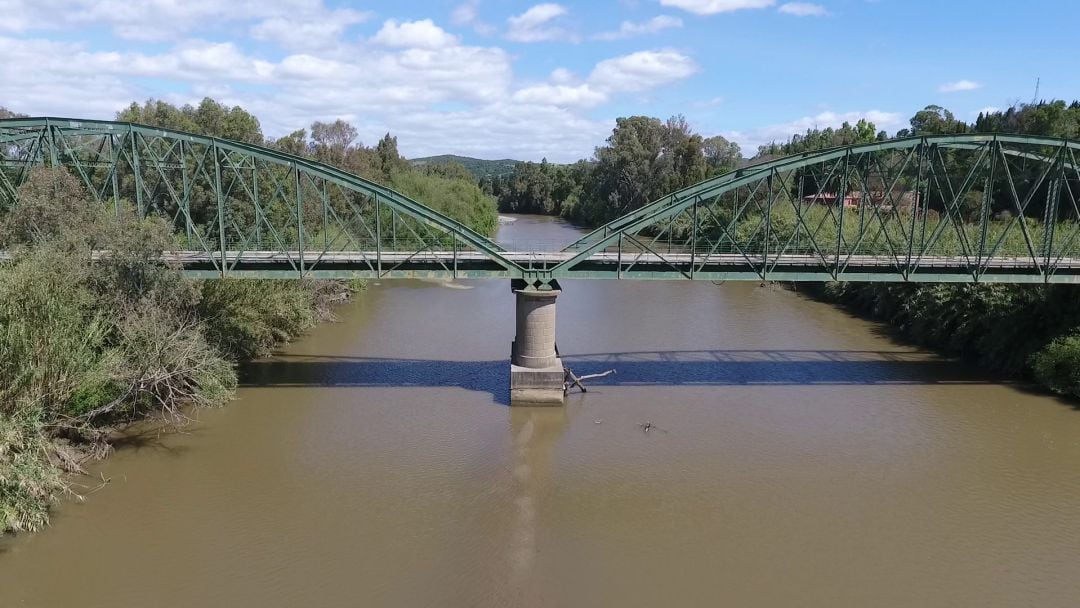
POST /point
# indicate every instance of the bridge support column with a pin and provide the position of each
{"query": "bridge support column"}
(536, 371)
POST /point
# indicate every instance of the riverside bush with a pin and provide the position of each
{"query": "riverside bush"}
(1057, 366)
(85, 345)
(246, 319)
(1013, 329)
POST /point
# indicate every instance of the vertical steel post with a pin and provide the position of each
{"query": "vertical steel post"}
(1053, 197)
(325, 217)
(618, 255)
(924, 198)
(693, 237)
(768, 226)
(255, 201)
(378, 235)
(299, 217)
(54, 156)
(864, 202)
(798, 212)
(136, 167)
(114, 158)
(988, 199)
(185, 196)
(915, 206)
(220, 196)
(842, 199)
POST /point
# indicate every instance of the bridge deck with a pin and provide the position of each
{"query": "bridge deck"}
(638, 266)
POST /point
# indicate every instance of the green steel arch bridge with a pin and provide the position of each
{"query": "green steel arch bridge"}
(953, 208)
(962, 208)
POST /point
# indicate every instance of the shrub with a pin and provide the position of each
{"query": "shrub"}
(28, 479)
(246, 319)
(1057, 366)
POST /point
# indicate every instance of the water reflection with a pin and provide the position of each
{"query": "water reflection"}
(535, 433)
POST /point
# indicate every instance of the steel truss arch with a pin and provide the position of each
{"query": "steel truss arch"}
(989, 167)
(250, 210)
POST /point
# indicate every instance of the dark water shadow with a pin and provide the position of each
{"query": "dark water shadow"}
(1035, 390)
(150, 435)
(659, 368)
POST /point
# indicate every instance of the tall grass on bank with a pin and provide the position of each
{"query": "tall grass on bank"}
(87, 345)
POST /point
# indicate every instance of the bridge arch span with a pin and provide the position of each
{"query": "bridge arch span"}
(969, 208)
(249, 210)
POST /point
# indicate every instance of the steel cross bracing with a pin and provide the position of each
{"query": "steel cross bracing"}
(232, 203)
(963, 208)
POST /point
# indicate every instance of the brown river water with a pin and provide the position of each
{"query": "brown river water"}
(798, 457)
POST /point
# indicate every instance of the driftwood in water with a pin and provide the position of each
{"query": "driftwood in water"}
(572, 380)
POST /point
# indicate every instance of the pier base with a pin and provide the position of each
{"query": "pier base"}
(536, 371)
(536, 387)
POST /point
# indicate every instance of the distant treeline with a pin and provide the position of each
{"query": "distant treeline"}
(478, 167)
(643, 159)
(646, 158)
(447, 188)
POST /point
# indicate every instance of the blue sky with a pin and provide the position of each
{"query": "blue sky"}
(500, 78)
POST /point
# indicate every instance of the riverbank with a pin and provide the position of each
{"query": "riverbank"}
(1027, 331)
(86, 348)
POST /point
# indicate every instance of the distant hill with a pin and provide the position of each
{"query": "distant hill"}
(477, 166)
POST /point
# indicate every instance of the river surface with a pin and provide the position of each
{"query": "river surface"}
(797, 457)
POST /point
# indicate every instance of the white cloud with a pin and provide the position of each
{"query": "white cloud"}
(562, 76)
(468, 13)
(629, 73)
(713, 7)
(562, 95)
(714, 102)
(318, 32)
(164, 20)
(500, 130)
(958, 86)
(629, 29)
(422, 34)
(642, 70)
(750, 140)
(465, 13)
(413, 79)
(534, 25)
(803, 9)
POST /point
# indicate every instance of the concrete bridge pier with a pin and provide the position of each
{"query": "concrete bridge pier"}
(536, 371)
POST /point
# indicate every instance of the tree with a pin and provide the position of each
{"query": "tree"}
(935, 120)
(210, 118)
(720, 154)
(389, 160)
(332, 140)
(295, 143)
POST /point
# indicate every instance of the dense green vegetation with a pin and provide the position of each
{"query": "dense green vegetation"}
(447, 188)
(86, 346)
(477, 167)
(644, 159)
(1024, 330)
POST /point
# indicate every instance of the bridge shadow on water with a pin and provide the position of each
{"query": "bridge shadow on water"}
(662, 368)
